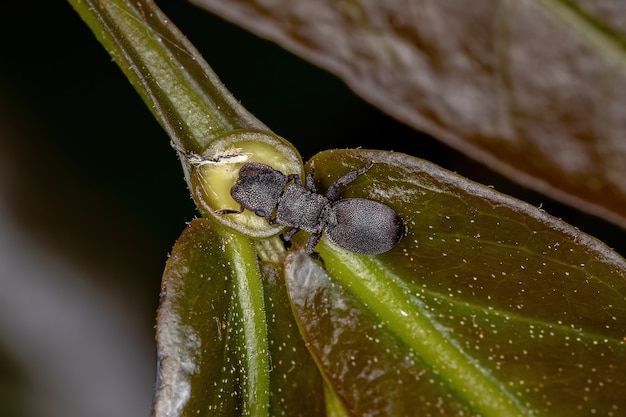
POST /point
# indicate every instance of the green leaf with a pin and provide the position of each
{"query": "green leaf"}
(227, 342)
(202, 332)
(533, 89)
(488, 306)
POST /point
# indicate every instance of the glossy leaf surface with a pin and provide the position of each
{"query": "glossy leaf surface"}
(228, 344)
(487, 306)
(535, 90)
(177, 85)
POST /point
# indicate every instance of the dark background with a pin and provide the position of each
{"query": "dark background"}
(88, 181)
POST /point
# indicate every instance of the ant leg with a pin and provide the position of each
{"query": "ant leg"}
(310, 183)
(230, 211)
(296, 179)
(333, 191)
(290, 234)
(310, 180)
(312, 243)
(316, 256)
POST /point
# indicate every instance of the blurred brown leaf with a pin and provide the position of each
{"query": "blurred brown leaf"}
(535, 90)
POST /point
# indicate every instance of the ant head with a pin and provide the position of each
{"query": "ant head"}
(258, 188)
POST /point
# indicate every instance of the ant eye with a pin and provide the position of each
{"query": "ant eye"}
(260, 213)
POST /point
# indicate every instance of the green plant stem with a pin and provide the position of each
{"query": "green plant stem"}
(176, 84)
